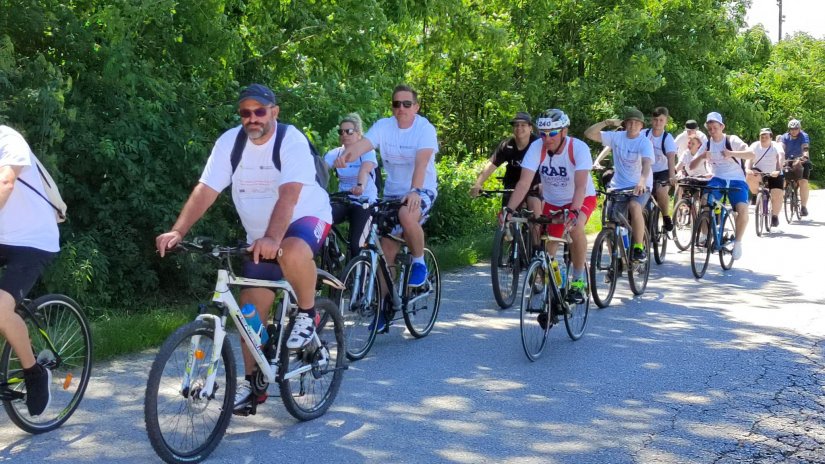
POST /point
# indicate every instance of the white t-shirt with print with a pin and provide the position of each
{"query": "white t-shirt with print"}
(702, 170)
(557, 172)
(660, 163)
(725, 169)
(255, 182)
(682, 140)
(627, 158)
(26, 220)
(766, 158)
(348, 176)
(398, 149)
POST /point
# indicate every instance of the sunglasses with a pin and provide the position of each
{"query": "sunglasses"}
(259, 112)
(551, 133)
(398, 103)
(346, 131)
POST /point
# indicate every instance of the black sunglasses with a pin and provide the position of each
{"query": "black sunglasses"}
(259, 112)
(398, 103)
(346, 131)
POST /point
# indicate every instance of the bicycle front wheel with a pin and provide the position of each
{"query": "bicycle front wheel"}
(728, 237)
(788, 201)
(535, 310)
(639, 271)
(682, 224)
(658, 237)
(575, 318)
(423, 302)
(702, 245)
(184, 424)
(311, 376)
(504, 269)
(61, 341)
(603, 267)
(359, 311)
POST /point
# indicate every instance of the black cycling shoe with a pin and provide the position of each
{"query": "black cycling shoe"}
(774, 221)
(668, 223)
(803, 211)
(638, 255)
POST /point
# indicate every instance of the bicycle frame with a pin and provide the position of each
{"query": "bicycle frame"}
(724, 210)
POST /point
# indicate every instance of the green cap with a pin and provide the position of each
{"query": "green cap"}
(633, 113)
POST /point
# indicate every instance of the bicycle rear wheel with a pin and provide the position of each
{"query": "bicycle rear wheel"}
(701, 247)
(535, 310)
(309, 394)
(726, 247)
(639, 271)
(603, 267)
(182, 425)
(423, 302)
(682, 224)
(759, 214)
(359, 312)
(575, 318)
(65, 347)
(504, 269)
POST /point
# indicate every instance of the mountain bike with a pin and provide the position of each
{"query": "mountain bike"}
(546, 293)
(191, 388)
(791, 197)
(362, 300)
(512, 249)
(762, 212)
(656, 226)
(713, 232)
(611, 253)
(61, 341)
(685, 211)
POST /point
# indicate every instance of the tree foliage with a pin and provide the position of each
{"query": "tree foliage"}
(123, 99)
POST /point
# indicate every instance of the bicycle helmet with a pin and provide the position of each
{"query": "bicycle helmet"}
(552, 119)
(794, 124)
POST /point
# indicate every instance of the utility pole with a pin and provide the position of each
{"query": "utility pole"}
(781, 19)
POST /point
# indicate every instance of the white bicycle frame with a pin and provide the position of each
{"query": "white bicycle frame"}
(224, 298)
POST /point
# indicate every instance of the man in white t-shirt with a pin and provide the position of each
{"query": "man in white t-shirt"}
(691, 129)
(664, 165)
(725, 154)
(632, 161)
(408, 144)
(769, 158)
(285, 213)
(564, 165)
(29, 241)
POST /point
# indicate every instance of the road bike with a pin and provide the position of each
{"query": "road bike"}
(512, 249)
(685, 211)
(713, 232)
(546, 292)
(762, 212)
(363, 305)
(611, 253)
(62, 342)
(191, 388)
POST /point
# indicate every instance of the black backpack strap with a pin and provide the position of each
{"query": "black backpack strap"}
(280, 132)
(237, 149)
(664, 136)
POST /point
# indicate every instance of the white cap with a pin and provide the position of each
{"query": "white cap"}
(714, 116)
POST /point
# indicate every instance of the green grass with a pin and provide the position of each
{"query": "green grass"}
(124, 334)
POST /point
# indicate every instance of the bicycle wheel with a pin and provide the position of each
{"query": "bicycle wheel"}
(795, 205)
(682, 224)
(61, 341)
(766, 211)
(535, 310)
(308, 394)
(603, 267)
(639, 271)
(575, 318)
(360, 313)
(504, 269)
(728, 237)
(182, 425)
(700, 249)
(423, 302)
(788, 201)
(759, 214)
(658, 237)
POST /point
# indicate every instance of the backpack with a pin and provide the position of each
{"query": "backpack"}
(664, 136)
(729, 148)
(52, 196)
(321, 172)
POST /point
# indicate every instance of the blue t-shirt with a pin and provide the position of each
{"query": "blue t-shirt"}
(793, 147)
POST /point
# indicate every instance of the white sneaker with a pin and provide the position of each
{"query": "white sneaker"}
(737, 249)
(302, 332)
(242, 394)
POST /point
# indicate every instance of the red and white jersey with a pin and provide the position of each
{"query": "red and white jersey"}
(557, 171)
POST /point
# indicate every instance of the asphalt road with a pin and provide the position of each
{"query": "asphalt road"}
(728, 369)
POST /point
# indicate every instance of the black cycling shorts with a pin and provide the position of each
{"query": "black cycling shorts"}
(661, 176)
(24, 265)
(777, 182)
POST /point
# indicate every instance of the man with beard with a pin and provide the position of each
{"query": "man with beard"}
(284, 210)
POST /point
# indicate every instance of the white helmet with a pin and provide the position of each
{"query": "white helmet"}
(552, 119)
(794, 124)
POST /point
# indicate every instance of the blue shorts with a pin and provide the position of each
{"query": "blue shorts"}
(24, 265)
(310, 229)
(734, 196)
